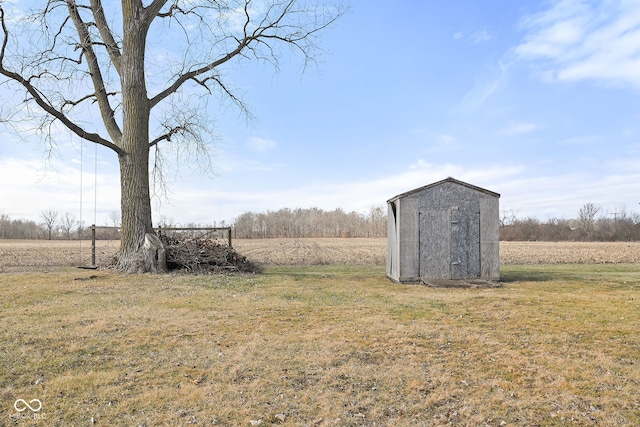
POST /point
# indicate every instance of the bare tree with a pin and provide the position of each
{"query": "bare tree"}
(377, 221)
(114, 217)
(508, 217)
(73, 57)
(587, 217)
(5, 223)
(67, 223)
(49, 220)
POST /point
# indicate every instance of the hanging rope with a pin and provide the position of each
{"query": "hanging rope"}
(95, 183)
(95, 195)
(80, 224)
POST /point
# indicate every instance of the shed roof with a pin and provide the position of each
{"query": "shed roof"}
(435, 184)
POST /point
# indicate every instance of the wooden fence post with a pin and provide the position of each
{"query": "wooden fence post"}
(93, 245)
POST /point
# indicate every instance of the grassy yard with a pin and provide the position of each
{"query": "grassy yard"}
(558, 345)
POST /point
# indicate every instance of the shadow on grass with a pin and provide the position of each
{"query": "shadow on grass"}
(527, 275)
(621, 274)
(346, 271)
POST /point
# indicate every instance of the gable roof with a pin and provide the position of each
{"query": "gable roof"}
(435, 184)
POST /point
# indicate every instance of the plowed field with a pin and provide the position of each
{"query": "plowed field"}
(23, 255)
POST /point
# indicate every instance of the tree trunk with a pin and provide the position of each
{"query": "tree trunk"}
(136, 210)
(134, 162)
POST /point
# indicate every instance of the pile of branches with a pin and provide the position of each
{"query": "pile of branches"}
(205, 255)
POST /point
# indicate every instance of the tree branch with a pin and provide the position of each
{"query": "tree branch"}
(86, 45)
(106, 34)
(41, 100)
(183, 78)
(274, 25)
(156, 6)
(167, 136)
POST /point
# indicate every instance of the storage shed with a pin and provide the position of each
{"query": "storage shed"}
(448, 230)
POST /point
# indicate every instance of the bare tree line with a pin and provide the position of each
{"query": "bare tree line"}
(591, 224)
(311, 222)
(54, 226)
(20, 228)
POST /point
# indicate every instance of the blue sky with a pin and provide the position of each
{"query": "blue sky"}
(535, 100)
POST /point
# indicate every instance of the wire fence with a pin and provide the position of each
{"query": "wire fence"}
(98, 247)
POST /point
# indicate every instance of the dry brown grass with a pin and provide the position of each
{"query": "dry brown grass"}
(324, 345)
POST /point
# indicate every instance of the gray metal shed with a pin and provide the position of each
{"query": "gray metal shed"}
(446, 230)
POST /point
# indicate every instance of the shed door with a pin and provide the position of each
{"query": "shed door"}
(435, 245)
(465, 244)
(449, 244)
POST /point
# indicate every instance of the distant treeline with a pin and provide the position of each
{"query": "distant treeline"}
(590, 225)
(20, 229)
(618, 226)
(53, 226)
(312, 222)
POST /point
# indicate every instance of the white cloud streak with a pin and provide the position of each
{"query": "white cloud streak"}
(577, 40)
(260, 145)
(61, 188)
(480, 36)
(523, 189)
(483, 90)
(520, 128)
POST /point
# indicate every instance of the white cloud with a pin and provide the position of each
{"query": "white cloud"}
(528, 190)
(260, 145)
(227, 161)
(205, 206)
(582, 140)
(447, 139)
(57, 186)
(562, 195)
(520, 128)
(577, 40)
(480, 36)
(484, 89)
(477, 37)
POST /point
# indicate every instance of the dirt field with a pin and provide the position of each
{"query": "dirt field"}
(16, 255)
(569, 252)
(25, 255)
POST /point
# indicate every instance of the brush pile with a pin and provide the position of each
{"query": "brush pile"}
(205, 255)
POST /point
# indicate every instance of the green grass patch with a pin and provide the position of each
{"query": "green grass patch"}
(331, 345)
